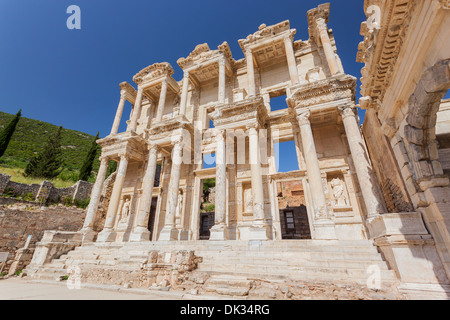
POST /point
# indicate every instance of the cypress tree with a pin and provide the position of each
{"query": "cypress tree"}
(88, 163)
(6, 134)
(47, 163)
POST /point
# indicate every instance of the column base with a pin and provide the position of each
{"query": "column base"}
(140, 234)
(88, 235)
(219, 233)
(168, 234)
(324, 230)
(107, 235)
(259, 232)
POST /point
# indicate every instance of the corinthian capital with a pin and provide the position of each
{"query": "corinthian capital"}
(347, 110)
(303, 118)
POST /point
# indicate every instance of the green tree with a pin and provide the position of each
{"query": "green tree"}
(207, 184)
(6, 134)
(47, 163)
(88, 163)
(112, 167)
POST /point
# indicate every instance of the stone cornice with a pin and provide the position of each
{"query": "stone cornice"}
(382, 44)
(130, 92)
(154, 71)
(202, 53)
(322, 13)
(323, 91)
(265, 32)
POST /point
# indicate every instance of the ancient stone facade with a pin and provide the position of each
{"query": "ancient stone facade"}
(405, 77)
(169, 126)
(386, 187)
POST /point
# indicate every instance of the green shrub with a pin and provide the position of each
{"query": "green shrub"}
(28, 197)
(82, 203)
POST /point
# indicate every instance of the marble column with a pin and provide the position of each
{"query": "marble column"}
(162, 101)
(88, 226)
(322, 29)
(220, 231)
(108, 234)
(361, 162)
(169, 232)
(116, 124)
(259, 229)
(136, 110)
(184, 93)
(140, 231)
(290, 56)
(250, 72)
(323, 225)
(222, 79)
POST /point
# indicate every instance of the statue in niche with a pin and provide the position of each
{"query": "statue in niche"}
(179, 207)
(125, 211)
(340, 198)
(248, 201)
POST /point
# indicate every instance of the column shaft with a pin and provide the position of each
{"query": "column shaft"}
(141, 231)
(221, 174)
(107, 233)
(313, 168)
(162, 101)
(250, 73)
(360, 161)
(136, 110)
(184, 93)
(290, 55)
(257, 181)
(327, 47)
(222, 80)
(95, 197)
(323, 225)
(169, 231)
(116, 124)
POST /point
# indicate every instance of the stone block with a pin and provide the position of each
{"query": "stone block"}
(407, 223)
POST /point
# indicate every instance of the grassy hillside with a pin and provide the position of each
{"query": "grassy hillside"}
(30, 137)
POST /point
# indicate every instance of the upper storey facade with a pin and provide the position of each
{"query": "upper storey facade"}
(274, 64)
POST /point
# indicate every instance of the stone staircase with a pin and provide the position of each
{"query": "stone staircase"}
(305, 260)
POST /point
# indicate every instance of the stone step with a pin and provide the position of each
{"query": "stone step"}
(296, 255)
(300, 272)
(228, 285)
(353, 264)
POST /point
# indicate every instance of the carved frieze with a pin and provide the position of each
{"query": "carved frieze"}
(323, 91)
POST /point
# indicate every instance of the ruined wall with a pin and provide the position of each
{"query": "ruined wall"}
(385, 166)
(46, 191)
(19, 219)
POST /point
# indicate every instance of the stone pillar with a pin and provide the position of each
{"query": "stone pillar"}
(220, 230)
(222, 79)
(322, 30)
(324, 227)
(140, 231)
(290, 56)
(116, 124)
(107, 234)
(169, 232)
(250, 72)
(87, 230)
(136, 110)
(162, 101)
(259, 229)
(361, 162)
(184, 93)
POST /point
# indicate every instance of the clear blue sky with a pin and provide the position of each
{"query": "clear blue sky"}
(71, 77)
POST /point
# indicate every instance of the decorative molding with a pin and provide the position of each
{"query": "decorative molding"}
(154, 71)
